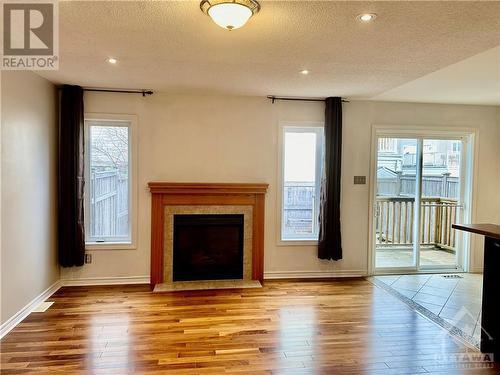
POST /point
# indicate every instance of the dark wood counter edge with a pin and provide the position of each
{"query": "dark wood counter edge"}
(489, 230)
(490, 306)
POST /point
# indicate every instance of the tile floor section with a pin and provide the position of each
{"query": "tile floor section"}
(455, 300)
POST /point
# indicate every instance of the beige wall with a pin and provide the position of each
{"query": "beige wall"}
(29, 195)
(235, 139)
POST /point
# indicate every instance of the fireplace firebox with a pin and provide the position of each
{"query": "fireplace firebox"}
(208, 247)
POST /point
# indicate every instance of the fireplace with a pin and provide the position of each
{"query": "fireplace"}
(207, 247)
(197, 216)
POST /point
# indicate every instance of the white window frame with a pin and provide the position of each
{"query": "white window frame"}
(132, 180)
(315, 127)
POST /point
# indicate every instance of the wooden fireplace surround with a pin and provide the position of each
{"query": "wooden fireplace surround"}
(193, 194)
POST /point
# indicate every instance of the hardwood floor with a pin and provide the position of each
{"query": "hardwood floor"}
(334, 327)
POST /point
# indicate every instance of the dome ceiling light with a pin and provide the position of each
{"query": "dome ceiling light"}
(230, 14)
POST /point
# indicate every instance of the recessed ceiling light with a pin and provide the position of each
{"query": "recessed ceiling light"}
(112, 60)
(304, 72)
(367, 17)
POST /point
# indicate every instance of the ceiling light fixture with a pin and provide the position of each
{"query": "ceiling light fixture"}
(304, 72)
(230, 14)
(367, 17)
(112, 60)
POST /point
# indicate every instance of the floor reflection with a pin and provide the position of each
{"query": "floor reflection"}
(110, 335)
(297, 331)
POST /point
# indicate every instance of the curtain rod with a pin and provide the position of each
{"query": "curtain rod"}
(130, 91)
(274, 98)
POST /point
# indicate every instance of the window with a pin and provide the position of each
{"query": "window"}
(108, 188)
(302, 170)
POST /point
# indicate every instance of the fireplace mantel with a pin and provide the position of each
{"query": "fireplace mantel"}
(205, 194)
(205, 188)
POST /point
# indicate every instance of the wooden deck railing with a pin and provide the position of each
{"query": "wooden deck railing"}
(395, 219)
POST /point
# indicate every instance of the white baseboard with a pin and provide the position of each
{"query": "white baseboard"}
(270, 275)
(26, 310)
(106, 281)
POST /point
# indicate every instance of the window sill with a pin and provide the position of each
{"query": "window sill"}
(297, 243)
(110, 246)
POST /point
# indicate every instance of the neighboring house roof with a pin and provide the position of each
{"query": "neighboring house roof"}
(384, 173)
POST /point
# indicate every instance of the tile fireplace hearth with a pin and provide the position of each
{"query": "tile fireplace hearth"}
(206, 236)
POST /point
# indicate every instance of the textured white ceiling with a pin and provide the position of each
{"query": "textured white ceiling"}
(475, 80)
(172, 46)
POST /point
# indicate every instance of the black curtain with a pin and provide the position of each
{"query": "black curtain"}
(71, 177)
(330, 244)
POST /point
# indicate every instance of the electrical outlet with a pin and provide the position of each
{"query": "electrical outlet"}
(88, 258)
(359, 180)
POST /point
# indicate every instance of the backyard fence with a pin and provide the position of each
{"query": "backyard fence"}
(109, 204)
(298, 207)
(432, 186)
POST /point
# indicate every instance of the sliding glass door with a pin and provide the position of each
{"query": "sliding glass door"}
(418, 197)
(440, 203)
(395, 203)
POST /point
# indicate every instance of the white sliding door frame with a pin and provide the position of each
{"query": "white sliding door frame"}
(468, 136)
